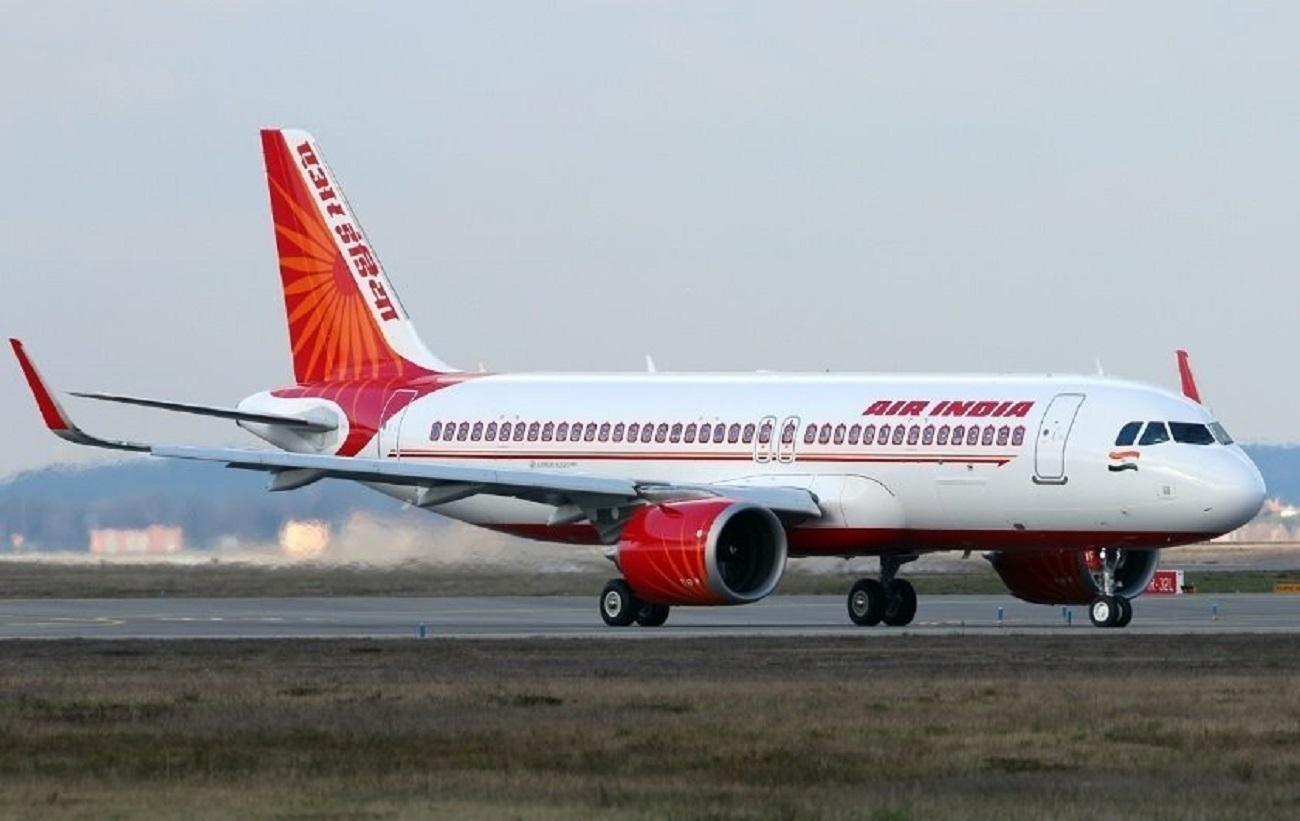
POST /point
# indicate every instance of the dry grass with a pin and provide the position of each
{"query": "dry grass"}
(911, 727)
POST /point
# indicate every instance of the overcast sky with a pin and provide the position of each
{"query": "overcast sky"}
(992, 187)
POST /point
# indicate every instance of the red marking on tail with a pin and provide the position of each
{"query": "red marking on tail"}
(334, 333)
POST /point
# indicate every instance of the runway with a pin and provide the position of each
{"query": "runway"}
(576, 617)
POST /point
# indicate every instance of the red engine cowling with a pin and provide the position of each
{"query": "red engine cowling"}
(713, 551)
(1072, 576)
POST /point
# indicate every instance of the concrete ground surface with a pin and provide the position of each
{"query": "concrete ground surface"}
(569, 616)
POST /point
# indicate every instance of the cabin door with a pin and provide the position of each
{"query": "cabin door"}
(389, 436)
(1049, 450)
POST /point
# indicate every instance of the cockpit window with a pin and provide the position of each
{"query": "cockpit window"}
(1128, 434)
(1191, 433)
(1155, 433)
(1220, 434)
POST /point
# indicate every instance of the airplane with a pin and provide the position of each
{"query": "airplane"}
(701, 486)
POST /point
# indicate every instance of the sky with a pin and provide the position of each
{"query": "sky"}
(1024, 187)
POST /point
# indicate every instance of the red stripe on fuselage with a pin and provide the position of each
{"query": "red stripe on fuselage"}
(856, 541)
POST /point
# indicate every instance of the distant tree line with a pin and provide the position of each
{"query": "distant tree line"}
(54, 508)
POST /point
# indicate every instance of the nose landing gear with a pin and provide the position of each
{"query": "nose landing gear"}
(1110, 609)
(890, 600)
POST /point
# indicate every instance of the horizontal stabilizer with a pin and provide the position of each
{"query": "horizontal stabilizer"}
(312, 425)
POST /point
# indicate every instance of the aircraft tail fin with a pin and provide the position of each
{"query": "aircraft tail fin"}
(345, 320)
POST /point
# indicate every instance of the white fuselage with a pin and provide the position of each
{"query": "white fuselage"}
(1042, 471)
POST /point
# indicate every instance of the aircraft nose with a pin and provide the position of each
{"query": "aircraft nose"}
(1237, 492)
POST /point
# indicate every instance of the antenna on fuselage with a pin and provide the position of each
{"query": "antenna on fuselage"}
(650, 364)
(1100, 370)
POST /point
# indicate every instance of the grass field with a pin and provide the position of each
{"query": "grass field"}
(1077, 727)
(31, 579)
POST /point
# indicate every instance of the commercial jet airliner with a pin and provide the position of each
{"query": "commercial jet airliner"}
(701, 486)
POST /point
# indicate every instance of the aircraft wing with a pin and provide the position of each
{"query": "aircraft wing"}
(605, 501)
(442, 483)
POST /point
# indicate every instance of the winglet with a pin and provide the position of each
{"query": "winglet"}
(53, 414)
(1185, 376)
(56, 419)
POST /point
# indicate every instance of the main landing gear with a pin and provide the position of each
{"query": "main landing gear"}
(1110, 609)
(889, 600)
(620, 607)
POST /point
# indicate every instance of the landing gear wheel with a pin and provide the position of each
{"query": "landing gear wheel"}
(1105, 611)
(618, 605)
(1125, 611)
(900, 606)
(866, 602)
(651, 615)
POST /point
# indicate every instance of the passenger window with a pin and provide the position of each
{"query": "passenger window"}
(927, 435)
(719, 433)
(855, 433)
(561, 432)
(1155, 433)
(989, 433)
(491, 433)
(661, 433)
(884, 434)
(765, 433)
(590, 435)
(618, 432)
(604, 432)
(520, 430)
(435, 431)
(748, 436)
(548, 431)
(505, 431)
(675, 434)
(840, 430)
(824, 435)
(810, 435)
(942, 438)
(1004, 435)
(1191, 433)
(913, 434)
(647, 432)
(633, 430)
(1128, 434)
(533, 430)
(688, 436)
(462, 432)
(869, 434)
(477, 433)
(899, 433)
(973, 435)
(705, 431)
(958, 433)
(1018, 437)
(787, 434)
(733, 433)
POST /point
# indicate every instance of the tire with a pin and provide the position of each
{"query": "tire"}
(900, 608)
(1125, 612)
(618, 604)
(651, 615)
(866, 602)
(1103, 612)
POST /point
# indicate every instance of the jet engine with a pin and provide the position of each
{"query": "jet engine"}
(1072, 576)
(711, 551)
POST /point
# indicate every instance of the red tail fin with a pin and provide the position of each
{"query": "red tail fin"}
(345, 320)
